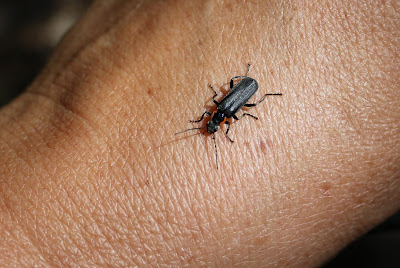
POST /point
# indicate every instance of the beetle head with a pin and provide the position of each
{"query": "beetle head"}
(211, 127)
(216, 119)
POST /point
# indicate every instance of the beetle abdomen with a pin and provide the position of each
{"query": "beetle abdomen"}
(238, 96)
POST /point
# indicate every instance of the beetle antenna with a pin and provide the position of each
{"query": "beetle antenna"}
(189, 130)
(216, 152)
(248, 68)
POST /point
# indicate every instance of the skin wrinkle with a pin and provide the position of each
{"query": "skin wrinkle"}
(97, 226)
(18, 229)
(178, 209)
(73, 44)
(32, 238)
(54, 123)
(70, 198)
(58, 259)
(15, 217)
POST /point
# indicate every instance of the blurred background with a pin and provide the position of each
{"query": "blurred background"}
(30, 30)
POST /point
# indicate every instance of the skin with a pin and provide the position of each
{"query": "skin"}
(92, 174)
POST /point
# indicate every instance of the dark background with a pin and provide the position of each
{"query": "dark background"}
(29, 31)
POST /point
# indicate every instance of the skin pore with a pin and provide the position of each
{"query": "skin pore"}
(92, 174)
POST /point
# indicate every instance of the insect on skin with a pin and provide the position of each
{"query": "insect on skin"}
(237, 97)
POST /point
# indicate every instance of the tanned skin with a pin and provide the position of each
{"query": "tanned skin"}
(92, 174)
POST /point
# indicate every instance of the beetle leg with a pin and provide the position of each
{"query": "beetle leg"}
(274, 94)
(240, 76)
(243, 115)
(248, 69)
(202, 117)
(255, 104)
(233, 78)
(215, 94)
(262, 99)
(216, 151)
(226, 134)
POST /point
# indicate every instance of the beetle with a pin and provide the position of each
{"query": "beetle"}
(237, 97)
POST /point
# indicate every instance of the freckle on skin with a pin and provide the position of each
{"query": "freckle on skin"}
(326, 186)
(265, 144)
(228, 7)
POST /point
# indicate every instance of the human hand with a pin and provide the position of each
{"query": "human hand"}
(93, 175)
